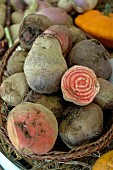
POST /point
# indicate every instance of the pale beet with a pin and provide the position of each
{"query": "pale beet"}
(45, 65)
(16, 17)
(2, 14)
(14, 30)
(14, 88)
(32, 128)
(65, 5)
(16, 62)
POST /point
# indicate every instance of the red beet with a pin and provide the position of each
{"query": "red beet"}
(79, 85)
(63, 34)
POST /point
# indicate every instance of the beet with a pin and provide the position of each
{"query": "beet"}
(32, 26)
(92, 54)
(81, 124)
(45, 65)
(57, 15)
(63, 34)
(53, 102)
(105, 96)
(79, 85)
(32, 128)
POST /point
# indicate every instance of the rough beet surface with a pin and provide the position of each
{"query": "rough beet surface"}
(32, 128)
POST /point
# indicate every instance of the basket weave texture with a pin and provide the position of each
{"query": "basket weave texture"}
(79, 152)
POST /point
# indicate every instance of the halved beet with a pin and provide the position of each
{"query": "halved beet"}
(79, 85)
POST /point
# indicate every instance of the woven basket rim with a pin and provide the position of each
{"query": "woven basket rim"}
(72, 154)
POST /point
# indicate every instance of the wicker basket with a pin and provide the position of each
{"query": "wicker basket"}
(63, 156)
(55, 156)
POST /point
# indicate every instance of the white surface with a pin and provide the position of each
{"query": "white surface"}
(7, 164)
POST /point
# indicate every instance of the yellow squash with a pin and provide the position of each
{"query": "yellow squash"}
(105, 162)
(98, 25)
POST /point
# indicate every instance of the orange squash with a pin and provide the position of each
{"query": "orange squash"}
(98, 25)
(105, 162)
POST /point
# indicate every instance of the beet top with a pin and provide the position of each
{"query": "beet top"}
(79, 85)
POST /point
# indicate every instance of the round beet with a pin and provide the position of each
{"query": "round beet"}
(79, 85)
(32, 128)
(57, 15)
(32, 26)
(81, 124)
(63, 34)
(91, 53)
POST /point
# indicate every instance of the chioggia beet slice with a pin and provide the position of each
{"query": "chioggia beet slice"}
(79, 85)
(32, 128)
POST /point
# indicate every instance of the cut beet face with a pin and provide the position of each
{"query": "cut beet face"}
(79, 85)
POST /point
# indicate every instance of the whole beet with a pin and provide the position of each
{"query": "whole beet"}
(45, 65)
(91, 53)
(57, 15)
(105, 96)
(63, 34)
(77, 34)
(32, 26)
(14, 30)
(53, 102)
(14, 88)
(81, 124)
(32, 128)
(16, 17)
(16, 62)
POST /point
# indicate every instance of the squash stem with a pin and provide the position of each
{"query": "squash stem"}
(107, 9)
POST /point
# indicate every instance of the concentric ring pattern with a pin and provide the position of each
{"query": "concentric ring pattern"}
(79, 85)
